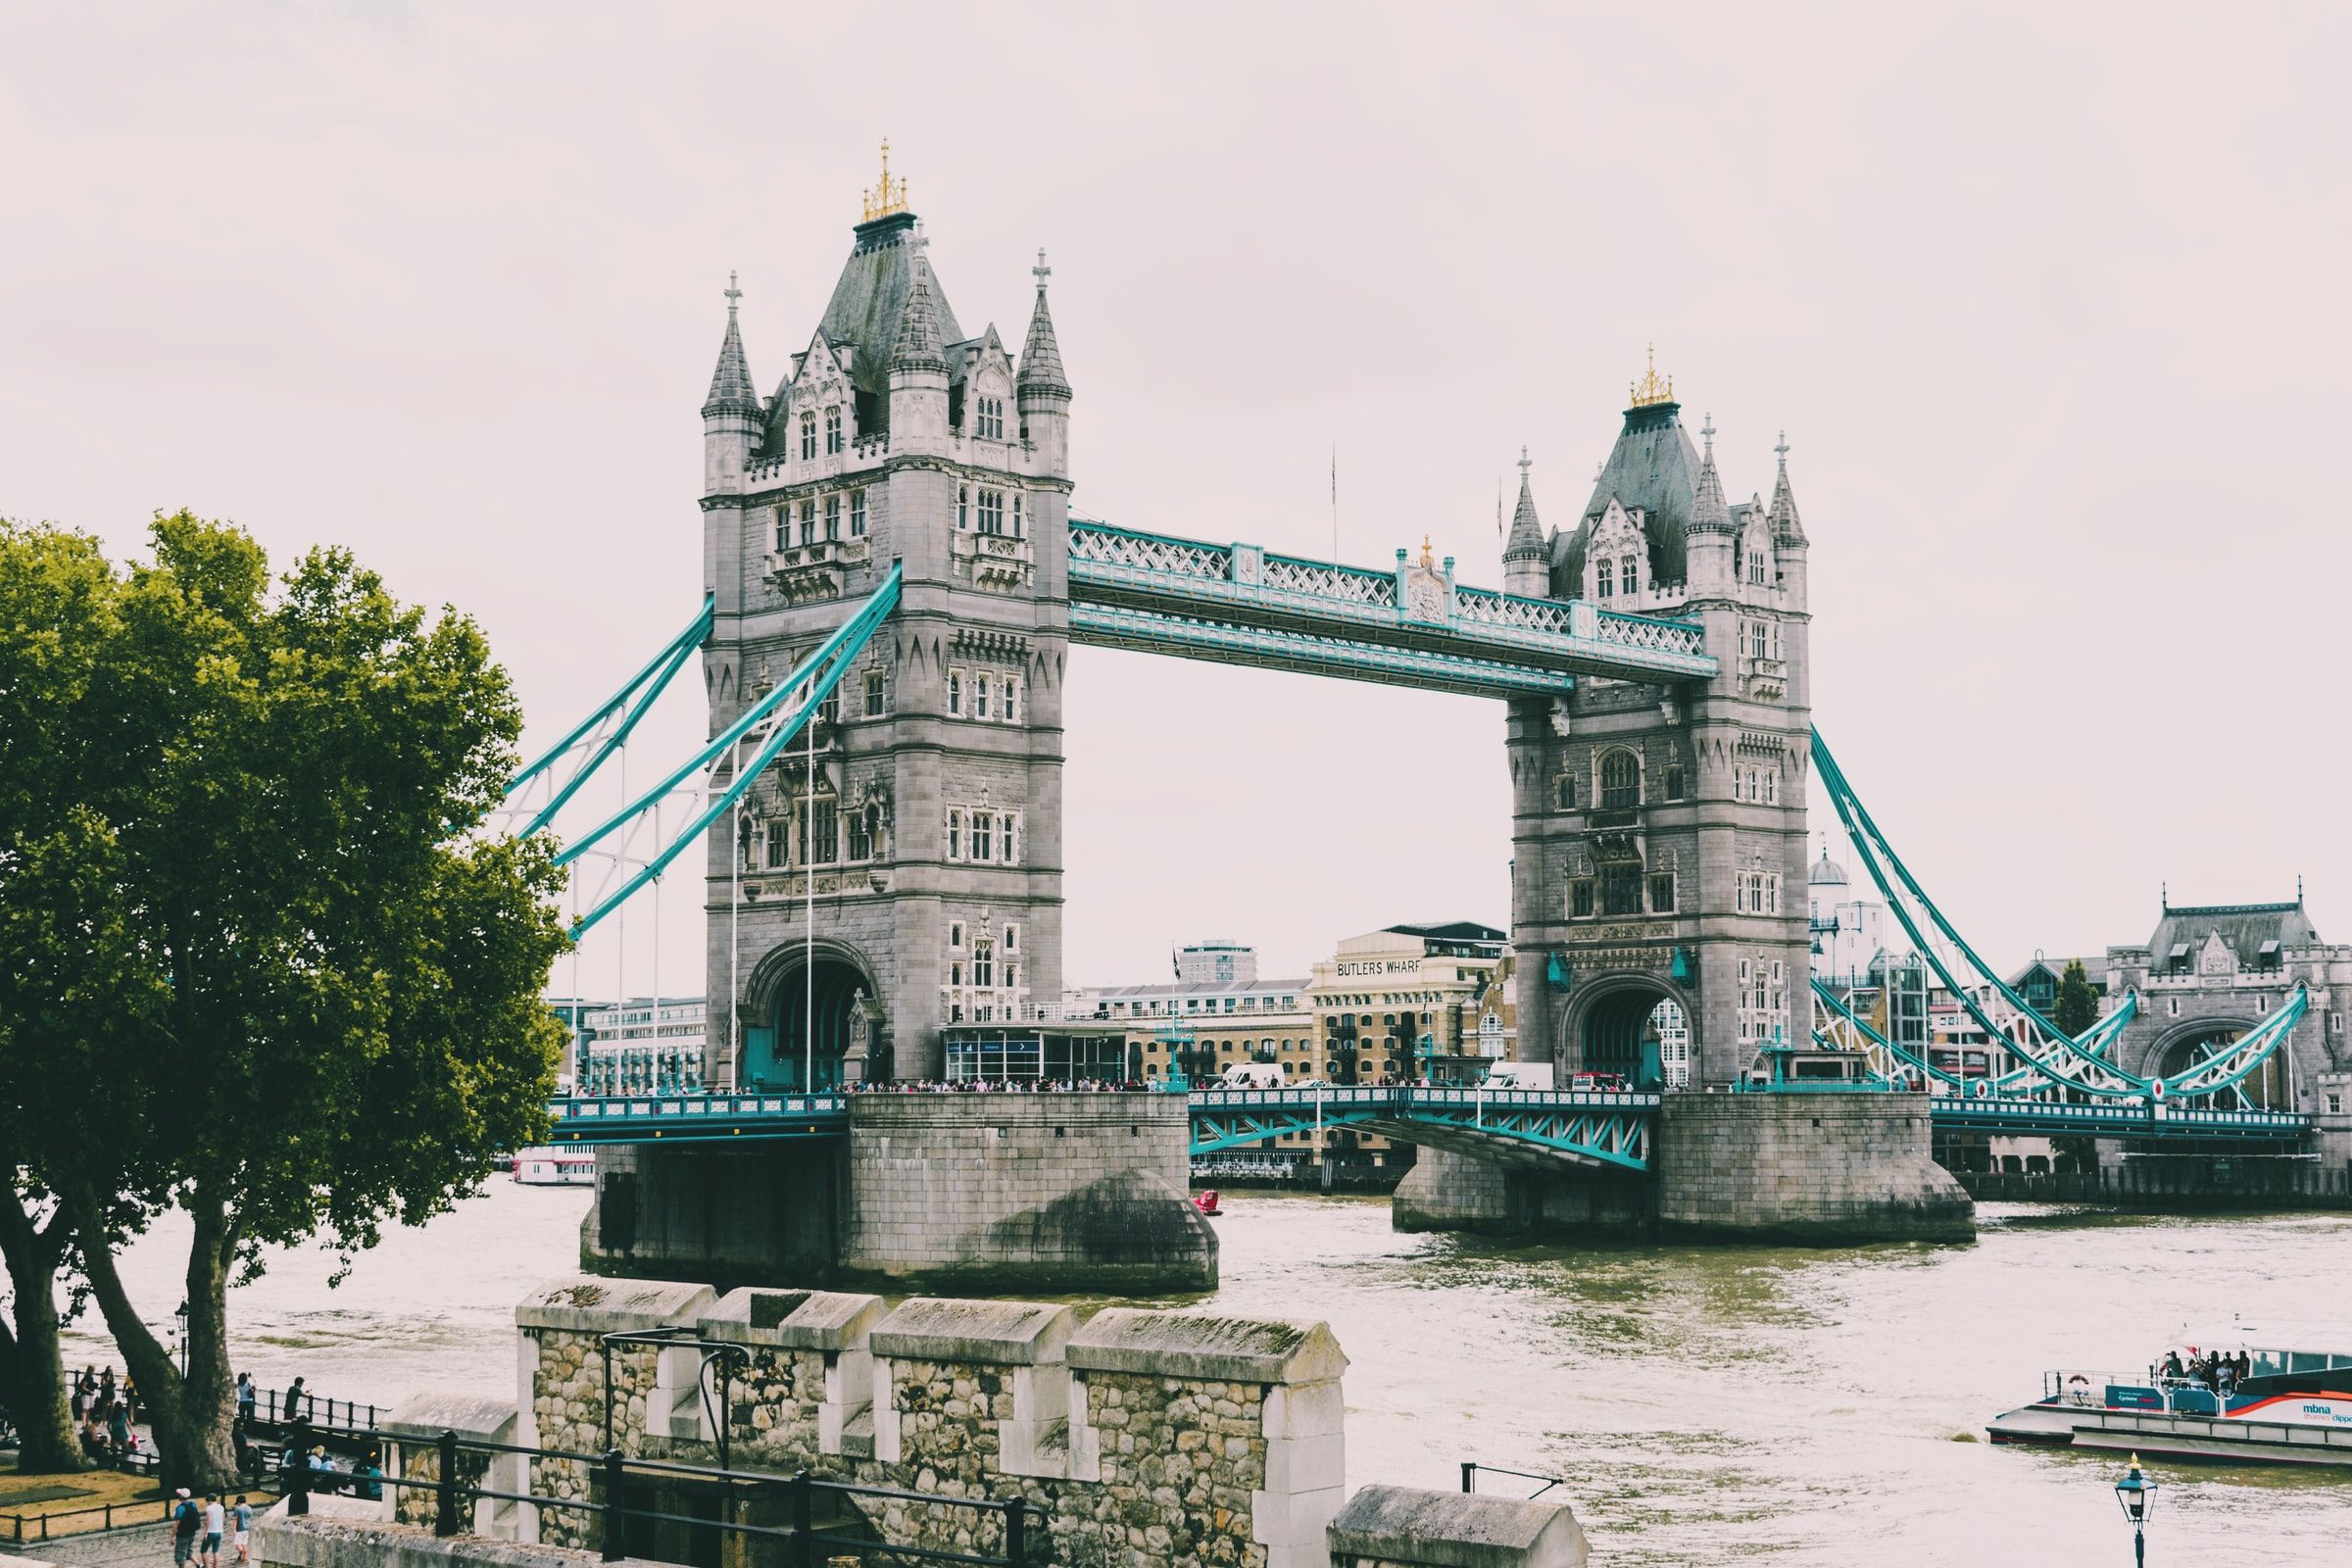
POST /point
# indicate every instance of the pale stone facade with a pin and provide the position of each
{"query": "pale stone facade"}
(1660, 848)
(933, 806)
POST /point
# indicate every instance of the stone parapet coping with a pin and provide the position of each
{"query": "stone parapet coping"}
(588, 1304)
(1454, 1530)
(802, 1320)
(996, 1333)
(1213, 1349)
(470, 1416)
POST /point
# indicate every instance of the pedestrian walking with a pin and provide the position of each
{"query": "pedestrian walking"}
(241, 1520)
(185, 1520)
(216, 1523)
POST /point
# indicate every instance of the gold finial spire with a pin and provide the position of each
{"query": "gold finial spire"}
(1649, 391)
(1426, 559)
(889, 196)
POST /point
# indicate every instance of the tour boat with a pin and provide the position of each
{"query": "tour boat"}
(2292, 1406)
(556, 1167)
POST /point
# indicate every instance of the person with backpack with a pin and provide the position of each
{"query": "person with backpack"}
(185, 1517)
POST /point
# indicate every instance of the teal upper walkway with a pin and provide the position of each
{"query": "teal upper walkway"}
(1240, 604)
(1597, 1130)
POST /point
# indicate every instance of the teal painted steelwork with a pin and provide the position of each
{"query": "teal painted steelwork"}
(1151, 632)
(2109, 1118)
(635, 696)
(1557, 974)
(1608, 1129)
(1828, 996)
(1357, 621)
(2092, 1041)
(695, 1117)
(815, 679)
(2048, 1053)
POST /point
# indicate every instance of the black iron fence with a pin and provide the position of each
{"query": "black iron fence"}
(801, 1495)
(1472, 1470)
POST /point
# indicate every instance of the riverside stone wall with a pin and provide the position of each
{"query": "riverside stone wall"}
(1144, 1439)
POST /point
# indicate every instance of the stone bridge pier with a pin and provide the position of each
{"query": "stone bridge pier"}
(1812, 1168)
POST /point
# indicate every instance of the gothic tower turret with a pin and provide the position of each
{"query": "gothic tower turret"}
(1044, 389)
(1526, 569)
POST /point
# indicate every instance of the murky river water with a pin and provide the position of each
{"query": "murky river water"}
(1706, 1405)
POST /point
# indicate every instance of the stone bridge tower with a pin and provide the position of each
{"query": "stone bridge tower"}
(1659, 831)
(930, 822)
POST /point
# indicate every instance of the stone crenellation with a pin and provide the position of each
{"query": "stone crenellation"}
(1144, 1438)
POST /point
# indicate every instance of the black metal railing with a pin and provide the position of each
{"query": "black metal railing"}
(801, 1539)
(1471, 1470)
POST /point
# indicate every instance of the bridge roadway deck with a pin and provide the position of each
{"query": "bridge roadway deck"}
(1577, 1127)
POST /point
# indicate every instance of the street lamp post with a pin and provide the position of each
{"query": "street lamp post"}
(2137, 1495)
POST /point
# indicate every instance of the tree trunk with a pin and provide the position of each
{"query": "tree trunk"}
(207, 1402)
(47, 1439)
(191, 1415)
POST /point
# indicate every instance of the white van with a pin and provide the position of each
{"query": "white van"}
(1519, 1075)
(1252, 1076)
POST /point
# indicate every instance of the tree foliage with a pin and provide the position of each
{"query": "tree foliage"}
(309, 998)
(2078, 1006)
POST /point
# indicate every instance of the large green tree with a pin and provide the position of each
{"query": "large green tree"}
(68, 963)
(2078, 1006)
(319, 1007)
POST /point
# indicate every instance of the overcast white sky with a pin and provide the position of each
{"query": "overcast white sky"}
(2050, 301)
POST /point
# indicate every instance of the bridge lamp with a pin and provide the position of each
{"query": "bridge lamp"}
(2136, 1494)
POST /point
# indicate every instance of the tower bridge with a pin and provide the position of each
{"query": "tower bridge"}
(895, 580)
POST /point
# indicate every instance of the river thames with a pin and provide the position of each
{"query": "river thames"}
(1706, 1405)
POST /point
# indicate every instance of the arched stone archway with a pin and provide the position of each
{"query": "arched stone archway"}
(811, 1024)
(1635, 1025)
(2194, 1040)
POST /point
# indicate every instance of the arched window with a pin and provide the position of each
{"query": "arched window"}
(833, 429)
(1563, 796)
(1626, 576)
(963, 506)
(1620, 781)
(1605, 579)
(808, 437)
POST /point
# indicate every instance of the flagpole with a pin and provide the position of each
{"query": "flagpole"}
(1335, 502)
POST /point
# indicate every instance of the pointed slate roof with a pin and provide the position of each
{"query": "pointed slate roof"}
(732, 390)
(1709, 513)
(863, 315)
(1652, 468)
(919, 346)
(1527, 533)
(1785, 523)
(1041, 355)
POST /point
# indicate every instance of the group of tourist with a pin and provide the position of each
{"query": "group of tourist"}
(102, 1416)
(213, 1518)
(2219, 1373)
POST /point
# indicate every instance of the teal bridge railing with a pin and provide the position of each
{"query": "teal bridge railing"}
(1242, 604)
(1595, 1129)
(1586, 1128)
